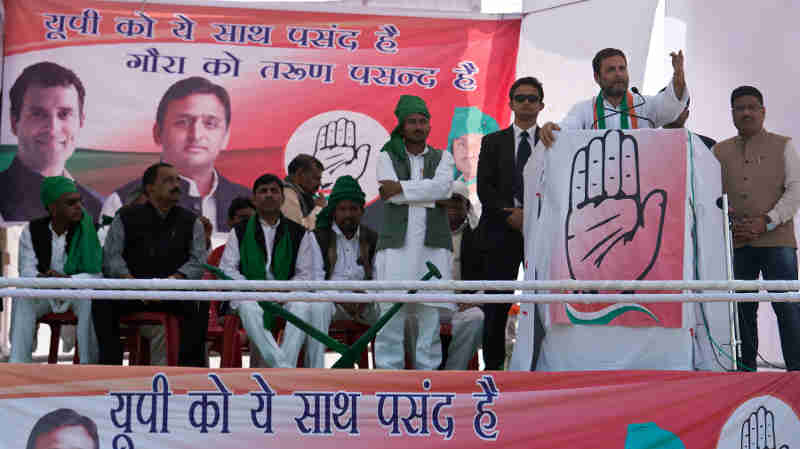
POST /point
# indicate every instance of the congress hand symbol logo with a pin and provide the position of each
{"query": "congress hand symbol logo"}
(612, 231)
(338, 151)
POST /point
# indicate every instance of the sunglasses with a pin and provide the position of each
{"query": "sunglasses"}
(521, 98)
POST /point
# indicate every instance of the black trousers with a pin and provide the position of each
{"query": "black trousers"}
(774, 263)
(193, 317)
(500, 264)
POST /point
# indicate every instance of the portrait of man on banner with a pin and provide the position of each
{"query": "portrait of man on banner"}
(192, 127)
(46, 115)
(468, 127)
(64, 428)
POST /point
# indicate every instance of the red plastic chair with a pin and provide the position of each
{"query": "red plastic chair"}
(171, 325)
(55, 321)
(216, 331)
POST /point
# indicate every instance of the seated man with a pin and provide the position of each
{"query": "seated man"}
(240, 210)
(155, 240)
(467, 320)
(269, 246)
(62, 244)
(301, 190)
(347, 246)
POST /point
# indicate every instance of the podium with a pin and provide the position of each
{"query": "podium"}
(624, 205)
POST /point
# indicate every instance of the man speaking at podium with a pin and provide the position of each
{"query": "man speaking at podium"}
(617, 107)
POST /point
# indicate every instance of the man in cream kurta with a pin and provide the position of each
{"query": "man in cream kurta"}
(405, 257)
(63, 244)
(620, 108)
(615, 107)
(306, 264)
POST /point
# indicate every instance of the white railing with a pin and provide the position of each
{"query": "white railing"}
(387, 291)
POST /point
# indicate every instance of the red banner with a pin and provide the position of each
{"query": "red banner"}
(299, 82)
(184, 407)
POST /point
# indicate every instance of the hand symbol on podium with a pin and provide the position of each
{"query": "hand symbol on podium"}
(336, 148)
(611, 232)
(758, 431)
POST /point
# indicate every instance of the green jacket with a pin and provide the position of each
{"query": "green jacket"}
(395, 216)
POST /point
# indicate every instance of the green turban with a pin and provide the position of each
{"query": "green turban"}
(407, 105)
(85, 253)
(469, 120)
(55, 186)
(346, 188)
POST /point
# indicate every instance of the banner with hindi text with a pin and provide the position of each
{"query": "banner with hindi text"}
(144, 407)
(320, 83)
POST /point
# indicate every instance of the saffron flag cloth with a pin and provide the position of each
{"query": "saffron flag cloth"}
(183, 408)
(623, 205)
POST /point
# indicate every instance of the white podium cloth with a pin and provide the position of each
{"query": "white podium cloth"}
(623, 204)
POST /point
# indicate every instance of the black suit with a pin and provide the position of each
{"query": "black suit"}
(20, 199)
(502, 245)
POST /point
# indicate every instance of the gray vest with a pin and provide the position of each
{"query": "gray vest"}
(395, 216)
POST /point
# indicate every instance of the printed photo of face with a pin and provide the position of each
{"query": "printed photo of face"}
(48, 127)
(193, 133)
(467, 128)
(72, 437)
(465, 152)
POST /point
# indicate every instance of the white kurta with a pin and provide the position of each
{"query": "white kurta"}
(408, 263)
(348, 269)
(582, 347)
(26, 310)
(662, 109)
(307, 267)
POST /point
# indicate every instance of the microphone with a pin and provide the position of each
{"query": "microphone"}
(615, 112)
(635, 90)
(730, 215)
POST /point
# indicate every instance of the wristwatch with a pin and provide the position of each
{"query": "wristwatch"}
(770, 225)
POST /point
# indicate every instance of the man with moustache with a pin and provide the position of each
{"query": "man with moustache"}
(47, 114)
(761, 175)
(192, 127)
(269, 246)
(501, 190)
(413, 177)
(63, 244)
(347, 246)
(300, 190)
(615, 107)
(155, 240)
